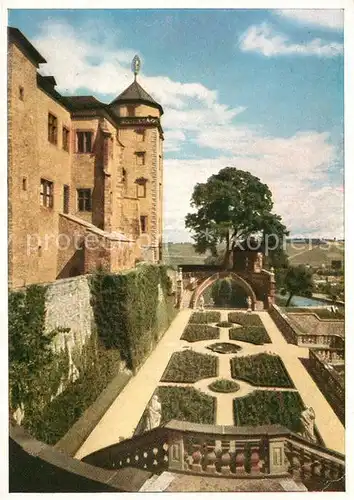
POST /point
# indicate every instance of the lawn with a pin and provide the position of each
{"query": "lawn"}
(187, 404)
(205, 317)
(189, 367)
(269, 407)
(264, 370)
(245, 319)
(194, 333)
(253, 334)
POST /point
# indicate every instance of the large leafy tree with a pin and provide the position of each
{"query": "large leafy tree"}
(298, 281)
(230, 207)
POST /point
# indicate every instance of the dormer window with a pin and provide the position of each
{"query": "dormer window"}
(131, 110)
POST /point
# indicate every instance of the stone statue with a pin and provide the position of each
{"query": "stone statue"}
(153, 417)
(249, 304)
(307, 420)
(201, 303)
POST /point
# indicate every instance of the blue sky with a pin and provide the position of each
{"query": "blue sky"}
(260, 90)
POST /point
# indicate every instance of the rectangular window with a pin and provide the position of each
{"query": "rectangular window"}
(66, 199)
(140, 134)
(52, 129)
(83, 142)
(24, 183)
(84, 200)
(140, 158)
(131, 110)
(141, 190)
(21, 92)
(66, 138)
(46, 195)
(143, 223)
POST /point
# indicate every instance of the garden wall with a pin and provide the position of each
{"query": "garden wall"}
(282, 322)
(68, 340)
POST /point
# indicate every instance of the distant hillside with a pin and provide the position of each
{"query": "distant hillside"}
(299, 253)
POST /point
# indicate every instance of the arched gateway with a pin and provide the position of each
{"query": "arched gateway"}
(207, 282)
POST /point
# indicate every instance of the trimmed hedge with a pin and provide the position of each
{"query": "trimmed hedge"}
(194, 332)
(253, 334)
(224, 385)
(189, 367)
(264, 370)
(187, 404)
(205, 317)
(245, 319)
(126, 308)
(269, 407)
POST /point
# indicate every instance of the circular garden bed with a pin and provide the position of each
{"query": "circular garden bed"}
(224, 348)
(224, 385)
(225, 324)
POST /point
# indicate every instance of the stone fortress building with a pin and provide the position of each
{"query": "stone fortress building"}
(85, 179)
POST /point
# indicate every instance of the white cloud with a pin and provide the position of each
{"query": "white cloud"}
(261, 38)
(295, 169)
(324, 18)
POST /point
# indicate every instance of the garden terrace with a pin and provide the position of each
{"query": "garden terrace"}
(245, 319)
(205, 317)
(253, 334)
(269, 407)
(263, 370)
(186, 404)
(189, 367)
(321, 312)
(194, 333)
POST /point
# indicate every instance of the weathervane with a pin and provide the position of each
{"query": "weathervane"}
(136, 64)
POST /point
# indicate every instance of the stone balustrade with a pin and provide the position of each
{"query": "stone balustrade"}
(328, 379)
(262, 451)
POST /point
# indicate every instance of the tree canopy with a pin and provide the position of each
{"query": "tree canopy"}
(230, 207)
(298, 281)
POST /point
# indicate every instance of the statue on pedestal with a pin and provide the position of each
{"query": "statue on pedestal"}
(307, 420)
(201, 303)
(249, 304)
(153, 413)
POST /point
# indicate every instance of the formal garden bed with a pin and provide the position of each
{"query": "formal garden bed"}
(186, 404)
(205, 317)
(269, 407)
(224, 324)
(189, 367)
(264, 370)
(253, 334)
(245, 319)
(194, 332)
(224, 348)
(224, 385)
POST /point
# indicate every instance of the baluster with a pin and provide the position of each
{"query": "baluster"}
(197, 458)
(240, 459)
(255, 461)
(225, 457)
(211, 457)
(317, 469)
(296, 465)
(306, 467)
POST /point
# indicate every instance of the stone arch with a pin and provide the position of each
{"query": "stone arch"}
(206, 283)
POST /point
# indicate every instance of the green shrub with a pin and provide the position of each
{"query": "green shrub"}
(245, 319)
(194, 332)
(224, 385)
(190, 366)
(269, 407)
(186, 404)
(253, 334)
(205, 317)
(126, 310)
(224, 324)
(265, 370)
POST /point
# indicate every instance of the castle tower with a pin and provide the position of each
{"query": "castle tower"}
(141, 136)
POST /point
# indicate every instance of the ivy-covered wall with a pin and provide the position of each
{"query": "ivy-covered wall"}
(131, 311)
